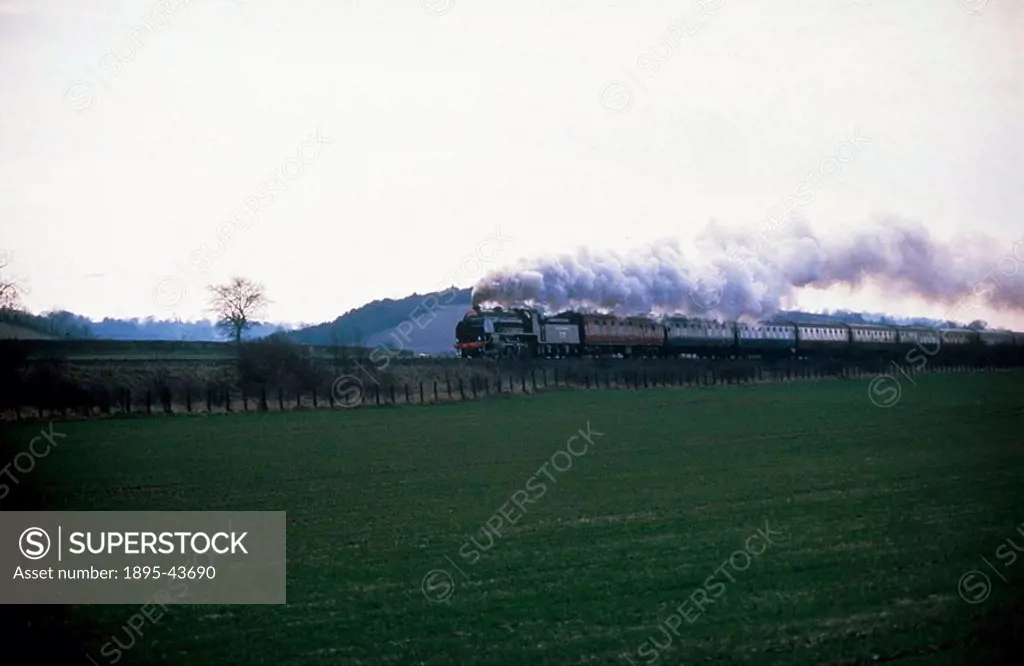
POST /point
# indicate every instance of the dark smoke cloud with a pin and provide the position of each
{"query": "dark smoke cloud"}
(741, 275)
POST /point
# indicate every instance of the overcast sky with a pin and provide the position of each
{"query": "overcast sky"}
(444, 123)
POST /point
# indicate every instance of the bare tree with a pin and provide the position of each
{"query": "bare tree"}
(10, 288)
(237, 304)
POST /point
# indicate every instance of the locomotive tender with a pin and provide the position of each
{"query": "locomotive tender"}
(522, 332)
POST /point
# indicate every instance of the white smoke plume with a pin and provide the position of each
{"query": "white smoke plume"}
(736, 275)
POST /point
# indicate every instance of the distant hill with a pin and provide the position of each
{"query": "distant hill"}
(12, 332)
(148, 328)
(64, 325)
(373, 324)
(25, 325)
(437, 336)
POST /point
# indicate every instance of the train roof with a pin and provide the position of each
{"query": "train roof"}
(772, 321)
(875, 327)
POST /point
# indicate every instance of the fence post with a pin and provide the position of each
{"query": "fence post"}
(314, 398)
(435, 391)
(448, 383)
(586, 380)
(188, 400)
(298, 398)
(487, 386)
(472, 386)
(376, 393)
(544, 375)
(522, 378)
(511, 386)
(462, 393)
(227, 399)
(421, 392)
(209, 400)
(556, 377)
(264, 407)
(127, 401)
(391, 390)
(149, 401)
(533, 379)
(280, 398)
(407, 394)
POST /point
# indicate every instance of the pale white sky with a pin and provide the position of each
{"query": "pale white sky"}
(451, 120)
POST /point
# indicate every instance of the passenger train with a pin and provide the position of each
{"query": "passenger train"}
(523, 332)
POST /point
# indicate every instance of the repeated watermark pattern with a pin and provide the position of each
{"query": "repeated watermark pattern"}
(169, 291)
(114, 649)
(975, 586)
(25, 462)
(438, 585)
(714, 587)
(709, 292)
(886, 389)
(349, 390)
(80, 95)
(148, 615)
(976, 7)
(617, 95)
(438, 7)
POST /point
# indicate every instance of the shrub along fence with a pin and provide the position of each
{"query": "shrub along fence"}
(490, 381)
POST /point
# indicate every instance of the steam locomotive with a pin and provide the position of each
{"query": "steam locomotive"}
(523, 332)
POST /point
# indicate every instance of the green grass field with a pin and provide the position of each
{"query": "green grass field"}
(881, 511)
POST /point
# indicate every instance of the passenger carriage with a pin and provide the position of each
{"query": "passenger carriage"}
(769, 340)
(699, 337)
(822, 339)
(874, 338)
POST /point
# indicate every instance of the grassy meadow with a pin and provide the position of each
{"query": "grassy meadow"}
(874, 515)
